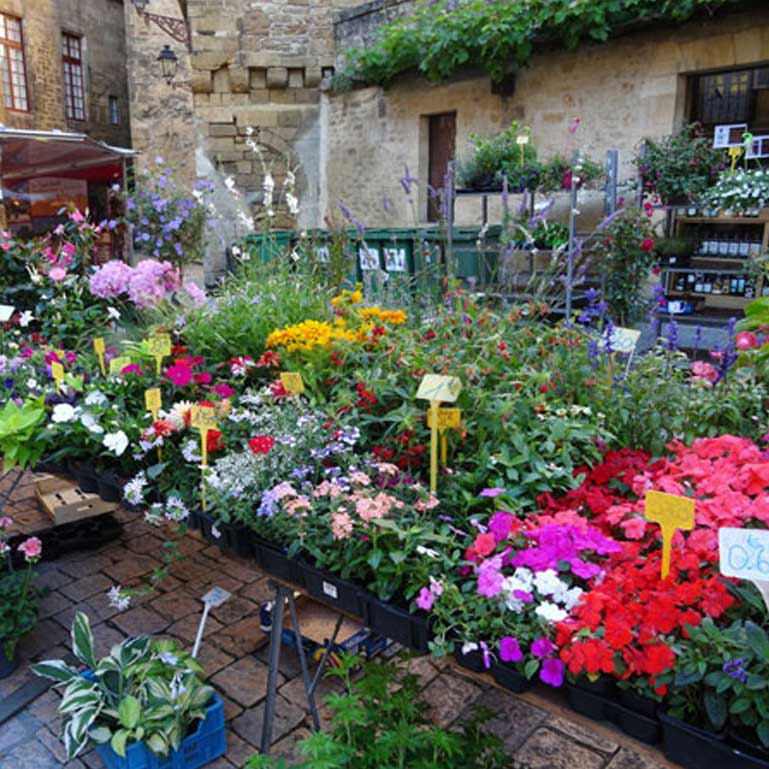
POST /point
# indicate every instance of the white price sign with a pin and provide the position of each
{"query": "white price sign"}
(744, 553)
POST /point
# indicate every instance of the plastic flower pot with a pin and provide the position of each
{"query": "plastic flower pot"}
(399, 624)
(643, 728)
(275, 561)
(586, 703)
(695, 748)
(748, 747)
(46, 465)
(471, 660)
(507, 676)
(332, 590)
(236, 538)
(644, 706)
(86, 477)
(109, 487)
(603, 686)
(207, 742)
(7, 666)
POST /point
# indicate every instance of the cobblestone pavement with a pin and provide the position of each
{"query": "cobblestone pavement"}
(538, 729)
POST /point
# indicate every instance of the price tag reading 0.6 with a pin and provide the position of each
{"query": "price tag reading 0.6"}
(744, 553)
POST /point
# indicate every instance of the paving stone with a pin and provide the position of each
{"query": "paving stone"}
(140, 621)
(448, 696)
(513, 721)
(46, 710)
(231, 708)
(422, 668)
(295, 692)
(241, 570)
(19, 729)
(45, 635)
(245, 681)
(289, 665)
(169, 584)
(189, 545)
(288, 716)
(147, 544)
(83, 567)
(129, 568)
(188, 570)
(545, 749)
(176, 605)
(630, 759)
(591, 738)
(244, 637)
(234, 610)
(238, 750)
(212, 658)
(288, 747)
(187, 627)
(30, 754)
(75, 763)
(52, 604)
(53, 743)
(85, 587)
(221, 763)
(199, 586)
(97, 607)
(104, 638)
(51, 579)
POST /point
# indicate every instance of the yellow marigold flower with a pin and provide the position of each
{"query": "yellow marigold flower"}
(394, 317)
(308, 335)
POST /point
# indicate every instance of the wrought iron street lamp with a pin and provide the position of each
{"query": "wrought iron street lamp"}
(175, 27)
(168, 63)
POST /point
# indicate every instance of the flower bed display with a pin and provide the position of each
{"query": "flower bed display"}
(281, 419)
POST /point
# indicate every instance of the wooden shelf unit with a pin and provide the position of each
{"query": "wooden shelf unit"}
(717, 264)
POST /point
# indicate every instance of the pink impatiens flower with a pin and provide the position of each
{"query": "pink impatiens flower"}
(425, 599)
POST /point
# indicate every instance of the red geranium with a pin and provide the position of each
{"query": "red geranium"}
(261, 444)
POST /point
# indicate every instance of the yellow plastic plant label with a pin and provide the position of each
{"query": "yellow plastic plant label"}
(153, 401)
(116, 365)
(448, 419)
(671, 512)
(57, 372)
(98, 348)
(159, 345)
(292, 382)
(436, 387)
(203, 418)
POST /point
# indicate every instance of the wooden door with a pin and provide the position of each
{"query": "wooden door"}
(442, 139)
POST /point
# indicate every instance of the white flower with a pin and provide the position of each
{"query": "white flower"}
(469, 646)
(95, 398)
(190, 451)
(133, 491)
(88, 420)
(34, 275)
(293, 204)
(64, 412)
(177, 413)
(116, 442)
(547, 582)
(551, 612)
(26, 318)
(426, 551)
(168, 658)
(570, 598)
(176, 510)
(32, 383)
(118, 598)
(114, 313)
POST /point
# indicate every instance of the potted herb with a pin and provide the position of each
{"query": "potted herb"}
(18, 597)
(556, 174)
(145, 697)
(379, 719)
(742, 192)
(680, 168)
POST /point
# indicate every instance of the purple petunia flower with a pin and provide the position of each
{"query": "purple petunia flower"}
(552, 672)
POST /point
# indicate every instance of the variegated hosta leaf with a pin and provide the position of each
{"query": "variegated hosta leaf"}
(76, 730)
(82, 640)
(56, 670)
(159, 689)
(203, 696)
(131, 650)
(100, 734)
(118, 742)
(157, 744)
(79, 694)
(129, 712)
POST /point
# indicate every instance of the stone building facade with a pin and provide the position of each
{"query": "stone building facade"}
(639, 85)
(98, 26)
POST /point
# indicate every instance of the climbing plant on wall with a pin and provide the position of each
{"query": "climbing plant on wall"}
(500, 36)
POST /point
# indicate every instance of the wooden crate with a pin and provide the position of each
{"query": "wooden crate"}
(65, 502)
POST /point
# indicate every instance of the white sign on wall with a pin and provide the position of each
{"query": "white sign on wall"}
(729, 135)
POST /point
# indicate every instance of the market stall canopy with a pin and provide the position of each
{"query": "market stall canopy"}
(26, 154)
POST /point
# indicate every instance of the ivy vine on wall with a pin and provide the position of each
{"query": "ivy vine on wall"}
(500, 36)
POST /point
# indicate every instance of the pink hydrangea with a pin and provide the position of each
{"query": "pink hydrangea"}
(195, 293)
(111, 280)
(151, 282)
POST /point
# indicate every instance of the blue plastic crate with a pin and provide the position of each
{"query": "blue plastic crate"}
(206, 743)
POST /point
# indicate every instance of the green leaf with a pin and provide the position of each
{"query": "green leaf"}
(82, 640)
(129, 712)
(56, 670)
(715, 706)
(100, 734)
(118, 742)
(763, 733)
(157, 744)
(757, 640)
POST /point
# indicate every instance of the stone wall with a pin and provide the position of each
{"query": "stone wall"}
(358, 26)
(162, 117)
(100, 25)
(622, 91)
(258, 66)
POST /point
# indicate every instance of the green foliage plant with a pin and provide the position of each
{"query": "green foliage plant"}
(20, 433)
(379, 722)
(142, 691)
